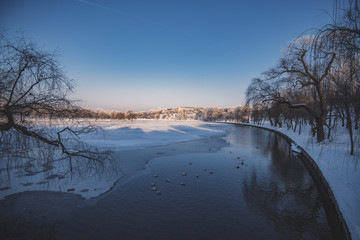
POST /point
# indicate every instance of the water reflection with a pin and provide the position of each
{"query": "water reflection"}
(270, 196)
(45, 168)
(285, 195)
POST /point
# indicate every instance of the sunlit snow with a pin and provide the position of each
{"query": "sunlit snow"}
(91, 180)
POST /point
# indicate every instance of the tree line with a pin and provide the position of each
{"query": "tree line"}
(317, 80)
(238, 114)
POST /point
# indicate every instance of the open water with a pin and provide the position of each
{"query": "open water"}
(245, 185)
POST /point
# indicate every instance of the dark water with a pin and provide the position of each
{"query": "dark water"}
(253, 188)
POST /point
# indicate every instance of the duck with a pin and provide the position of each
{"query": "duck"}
(182, 184)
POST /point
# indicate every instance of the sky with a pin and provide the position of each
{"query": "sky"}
(149, 54)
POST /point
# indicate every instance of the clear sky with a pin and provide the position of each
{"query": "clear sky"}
(146, 54)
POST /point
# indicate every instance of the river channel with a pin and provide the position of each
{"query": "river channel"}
(244, 185)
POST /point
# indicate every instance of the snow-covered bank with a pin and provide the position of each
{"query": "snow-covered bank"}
(130, 142)
(341, 170)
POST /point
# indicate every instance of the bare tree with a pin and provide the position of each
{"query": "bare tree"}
(344, 34)
(33, 84)
(345, 29)
(130, 115)
(319, 75)
(345, 78)
(303, 69)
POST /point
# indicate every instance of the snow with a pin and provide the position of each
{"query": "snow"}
(341, 170)
(295, 148)
(90, 180)
(130, 135)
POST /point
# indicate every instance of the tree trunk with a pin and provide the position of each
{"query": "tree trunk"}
(330, 118)
(349, 125)
(342, 121)
(320, 134)
(320, 121)
(271, 122)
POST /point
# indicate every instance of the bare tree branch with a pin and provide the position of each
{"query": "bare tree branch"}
(33, 84)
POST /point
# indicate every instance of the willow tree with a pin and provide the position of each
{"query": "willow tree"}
(344, 34)
(34, 93)
(302, 71)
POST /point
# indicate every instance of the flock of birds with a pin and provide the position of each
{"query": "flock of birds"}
(184, 174)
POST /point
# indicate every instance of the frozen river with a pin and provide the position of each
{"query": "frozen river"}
(174, 181)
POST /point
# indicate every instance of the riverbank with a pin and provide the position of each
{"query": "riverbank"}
(340, 170)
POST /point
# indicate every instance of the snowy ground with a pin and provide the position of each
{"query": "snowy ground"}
(130, 135)
(341, 170)
(125, 138)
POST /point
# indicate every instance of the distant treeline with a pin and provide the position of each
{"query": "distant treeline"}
(231, 114)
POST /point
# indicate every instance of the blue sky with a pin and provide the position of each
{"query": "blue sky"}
(149, 54)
